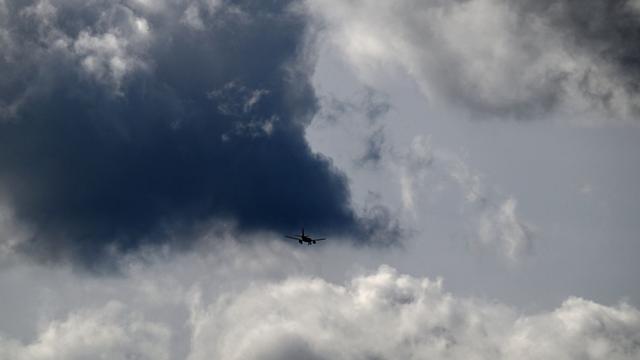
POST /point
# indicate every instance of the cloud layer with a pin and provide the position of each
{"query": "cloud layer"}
(199, 312)
(388, 315)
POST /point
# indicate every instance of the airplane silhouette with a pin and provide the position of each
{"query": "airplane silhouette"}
(304, 238)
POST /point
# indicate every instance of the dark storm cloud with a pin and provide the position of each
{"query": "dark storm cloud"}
(125, 122)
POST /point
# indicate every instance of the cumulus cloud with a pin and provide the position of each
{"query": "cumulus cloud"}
(110, 331)
(381, 314)
(499, 58)
(123, 122)
(388, 315)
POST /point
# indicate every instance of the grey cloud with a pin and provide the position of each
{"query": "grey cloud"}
(280, 346)
(607, 30)
(496, 58)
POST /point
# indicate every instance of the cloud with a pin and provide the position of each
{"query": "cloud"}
(499, 58)
(125, 122)
(503, 229)
(496, 225)
(12, 234)
(380, 314)
(111, 331)
(388, 315)
(374, 146)
(368, 102)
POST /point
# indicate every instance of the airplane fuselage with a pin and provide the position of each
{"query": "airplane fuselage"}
(307, 239)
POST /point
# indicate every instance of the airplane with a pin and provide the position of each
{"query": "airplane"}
(304, 238)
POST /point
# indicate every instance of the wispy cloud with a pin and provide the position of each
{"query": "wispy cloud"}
(497, 225)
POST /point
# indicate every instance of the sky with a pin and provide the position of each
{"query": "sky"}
(473, 164)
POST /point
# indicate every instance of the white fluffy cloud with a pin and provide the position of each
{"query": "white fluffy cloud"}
(109, 332)
(490, 56)
(217, 307)
(110, 56)
(388, 315)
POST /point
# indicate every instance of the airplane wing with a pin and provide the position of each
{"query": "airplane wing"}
(319, 239)
(292, 237)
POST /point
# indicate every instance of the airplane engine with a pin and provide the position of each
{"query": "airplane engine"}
(314, 241)
(300, 241)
